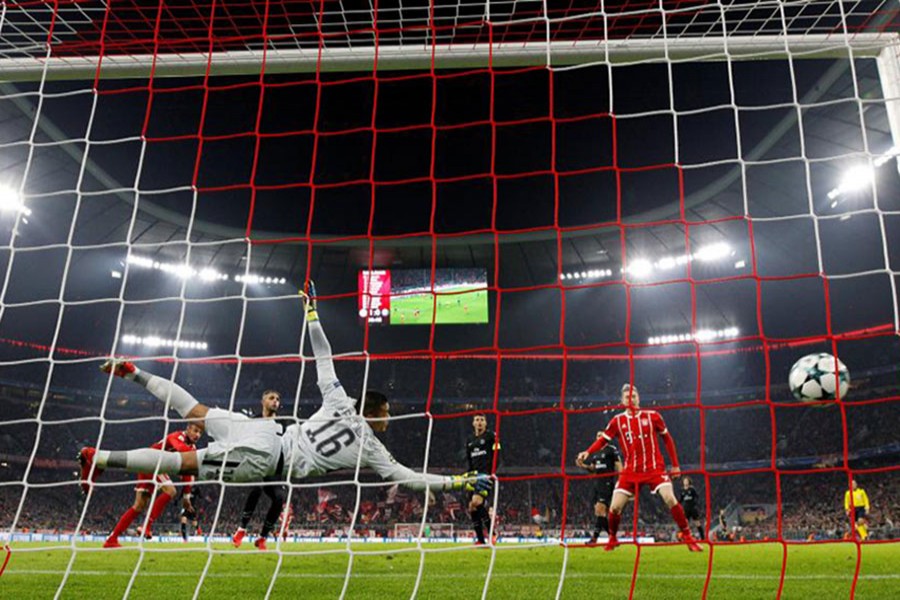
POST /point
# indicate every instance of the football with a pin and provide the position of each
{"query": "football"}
(819, 376)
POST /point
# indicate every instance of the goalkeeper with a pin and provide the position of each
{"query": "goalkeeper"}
(340, 435)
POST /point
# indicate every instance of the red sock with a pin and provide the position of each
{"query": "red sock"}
(126, 519)
(614, 519)
(680, 519)
(159, 505)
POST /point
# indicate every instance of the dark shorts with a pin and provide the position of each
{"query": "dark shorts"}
(603, 492)
(691, 511)
(859, 513)
(488, 497)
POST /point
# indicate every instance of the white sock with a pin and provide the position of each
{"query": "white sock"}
(179, 399)
(143, 460)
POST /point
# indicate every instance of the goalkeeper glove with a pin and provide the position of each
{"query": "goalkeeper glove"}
(308, 294)
(472, 482)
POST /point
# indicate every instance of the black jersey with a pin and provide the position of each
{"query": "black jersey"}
(689, 496)
(480, 451)
(605, 460)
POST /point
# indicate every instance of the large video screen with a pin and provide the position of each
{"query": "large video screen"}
(407, 297)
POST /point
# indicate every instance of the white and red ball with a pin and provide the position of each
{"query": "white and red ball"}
(819, 376)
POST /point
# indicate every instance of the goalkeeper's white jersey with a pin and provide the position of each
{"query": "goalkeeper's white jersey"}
(336, 437)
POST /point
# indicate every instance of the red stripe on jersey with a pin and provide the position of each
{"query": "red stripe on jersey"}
(654, 448)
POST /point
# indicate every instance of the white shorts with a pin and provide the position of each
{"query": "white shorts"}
(244, 449)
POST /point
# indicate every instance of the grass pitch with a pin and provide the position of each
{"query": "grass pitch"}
(418, 309)
(449, 571)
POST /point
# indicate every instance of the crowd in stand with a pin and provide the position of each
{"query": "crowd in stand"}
(532, 443)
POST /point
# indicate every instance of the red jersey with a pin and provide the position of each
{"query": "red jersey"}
(178, 442)
(175, 442)
(637, 440)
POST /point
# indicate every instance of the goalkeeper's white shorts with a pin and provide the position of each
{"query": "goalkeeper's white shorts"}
(244, 449)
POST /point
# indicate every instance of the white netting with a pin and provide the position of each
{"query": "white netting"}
(172, 173)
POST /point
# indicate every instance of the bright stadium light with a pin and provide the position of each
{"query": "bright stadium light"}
(10, 201)
(589, 274)
(700, 336)
(713, 252)
(859, 177)
(639, 268)
(205, 274)
(152, 341)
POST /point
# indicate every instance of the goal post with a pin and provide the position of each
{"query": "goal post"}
(423, 57)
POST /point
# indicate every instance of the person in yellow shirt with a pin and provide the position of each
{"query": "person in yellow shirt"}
(856, 505)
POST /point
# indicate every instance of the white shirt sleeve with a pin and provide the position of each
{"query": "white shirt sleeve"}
(333, 395)
(379, 459)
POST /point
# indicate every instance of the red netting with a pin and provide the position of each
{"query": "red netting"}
(535, 186)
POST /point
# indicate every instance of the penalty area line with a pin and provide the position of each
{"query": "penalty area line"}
(283, 575)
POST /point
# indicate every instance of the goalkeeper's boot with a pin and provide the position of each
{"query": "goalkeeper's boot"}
(612, 544)
(86, 459)
(118, 367)
(592, 541)
(260, 543)
(112, 542)
(692, 544)
(238, 537)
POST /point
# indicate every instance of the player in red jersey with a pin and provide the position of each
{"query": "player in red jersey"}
(178, 441)
(286, 517)
(637, 432)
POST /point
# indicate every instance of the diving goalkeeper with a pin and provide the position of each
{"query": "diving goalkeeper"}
(340, 435)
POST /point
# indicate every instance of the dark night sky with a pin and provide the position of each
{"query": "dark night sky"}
(483, 150)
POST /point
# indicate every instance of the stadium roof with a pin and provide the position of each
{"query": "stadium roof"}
(835, 98)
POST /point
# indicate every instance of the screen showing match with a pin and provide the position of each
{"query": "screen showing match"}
(409, 297)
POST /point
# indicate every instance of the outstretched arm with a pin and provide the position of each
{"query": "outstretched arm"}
(382, 462)
(603, 438)
(327, 379)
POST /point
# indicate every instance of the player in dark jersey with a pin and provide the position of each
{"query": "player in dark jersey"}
(269, 405)
(480, 453)
(690, 500)
(606, 462)
(189, 518)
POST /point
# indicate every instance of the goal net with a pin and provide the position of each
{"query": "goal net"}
(510, 209)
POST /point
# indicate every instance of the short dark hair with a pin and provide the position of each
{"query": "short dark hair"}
(480, 414)
(372, 402)
(267, 392)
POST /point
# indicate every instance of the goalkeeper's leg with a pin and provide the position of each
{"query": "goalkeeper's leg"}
(143, 460)
(166, 391)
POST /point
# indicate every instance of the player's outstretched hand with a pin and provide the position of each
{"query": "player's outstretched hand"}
(472, 482)
(478, 483)
(581, 458)
(308, 294)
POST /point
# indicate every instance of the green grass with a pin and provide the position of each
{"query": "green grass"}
(450, 571)
(418, 309)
